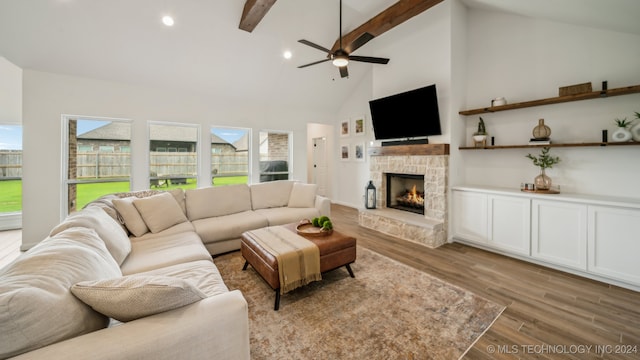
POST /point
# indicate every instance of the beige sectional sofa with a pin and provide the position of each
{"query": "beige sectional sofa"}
(131, 275)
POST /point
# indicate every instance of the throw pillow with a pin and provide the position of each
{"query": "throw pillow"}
(160, 211)
(114, 237)
(303, 195)
(132, 297)
(37, 307)
(132, 219)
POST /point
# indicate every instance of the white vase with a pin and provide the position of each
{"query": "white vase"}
(635, 131)
(621, 135)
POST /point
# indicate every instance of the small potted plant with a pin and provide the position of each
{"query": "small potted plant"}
(622, 134)
(543, 161)
(480, 136)
(635, 129)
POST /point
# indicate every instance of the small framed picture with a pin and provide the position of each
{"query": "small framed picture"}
(344, 128)
(344, 152)
(359, 152)
(358, 125)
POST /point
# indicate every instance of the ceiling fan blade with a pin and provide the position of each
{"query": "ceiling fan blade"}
(369, 59)
(313, 63)
(343, 71)
(316, 46)
(361, 40)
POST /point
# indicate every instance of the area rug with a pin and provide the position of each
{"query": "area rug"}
(388, 311)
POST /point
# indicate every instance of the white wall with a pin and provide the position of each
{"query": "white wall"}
(10, 92)
(527, 59)
(47, 96)
(420, 55)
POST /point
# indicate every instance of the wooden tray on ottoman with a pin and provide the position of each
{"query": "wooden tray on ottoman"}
(306, 228)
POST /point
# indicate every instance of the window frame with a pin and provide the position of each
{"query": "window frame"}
(65, 118)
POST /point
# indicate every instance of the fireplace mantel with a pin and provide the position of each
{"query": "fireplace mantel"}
(399, 150)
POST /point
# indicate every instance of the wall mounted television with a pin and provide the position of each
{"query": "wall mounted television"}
(408, 115)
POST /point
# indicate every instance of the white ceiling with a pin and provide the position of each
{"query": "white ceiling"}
(205, 52)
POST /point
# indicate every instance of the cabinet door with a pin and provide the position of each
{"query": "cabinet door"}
(470, 216)
(510, 223)
(559, 233)
(614, 243)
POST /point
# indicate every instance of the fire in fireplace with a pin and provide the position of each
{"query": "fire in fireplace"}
(405, 192)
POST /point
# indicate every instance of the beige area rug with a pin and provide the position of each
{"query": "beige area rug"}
(388, 311)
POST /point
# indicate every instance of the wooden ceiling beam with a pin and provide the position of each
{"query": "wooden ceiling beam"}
(393, 16)
(253, 12)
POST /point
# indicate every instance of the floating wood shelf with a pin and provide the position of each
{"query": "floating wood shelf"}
(496, 147)
(556, 100)
(398, 150)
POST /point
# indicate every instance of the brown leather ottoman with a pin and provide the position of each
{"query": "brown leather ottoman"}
(336, 250)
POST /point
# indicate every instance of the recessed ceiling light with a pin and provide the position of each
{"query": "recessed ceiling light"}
(287, 54)
(167, 20)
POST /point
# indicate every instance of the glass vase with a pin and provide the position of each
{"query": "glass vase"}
(542, 181)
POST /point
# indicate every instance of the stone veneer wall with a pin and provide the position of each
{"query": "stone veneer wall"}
(432, 231)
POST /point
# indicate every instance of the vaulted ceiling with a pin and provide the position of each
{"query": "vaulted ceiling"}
(206, 52)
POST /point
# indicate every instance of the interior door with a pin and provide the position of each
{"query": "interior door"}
(320, 171)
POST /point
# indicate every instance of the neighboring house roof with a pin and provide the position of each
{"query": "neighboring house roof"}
(111, 131)
(122, 131)
(242, 144)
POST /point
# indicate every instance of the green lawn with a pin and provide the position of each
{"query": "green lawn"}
(11, 191)
(10, 196)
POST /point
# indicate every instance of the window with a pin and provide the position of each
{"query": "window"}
(91, 171)
(173, 155)
(10, 168)
(230, 155)
(275, 154)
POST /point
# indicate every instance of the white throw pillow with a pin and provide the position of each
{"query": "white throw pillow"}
(160, 211)
(114, 237)
(37, 308)
(303, 195)
(132, 297)
(132, 219)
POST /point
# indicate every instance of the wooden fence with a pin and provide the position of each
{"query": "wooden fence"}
(109, 165)
(11, 164)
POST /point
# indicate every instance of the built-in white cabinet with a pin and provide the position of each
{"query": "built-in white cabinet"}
(593, 236)
(500, 222)
(614, 242)
(470, 216)
(509, 223)
(559, 233)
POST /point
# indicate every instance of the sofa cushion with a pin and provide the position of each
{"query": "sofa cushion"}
(270, 194)
(176, 229)
(36, 306)
(130, 215)
(227, 227)
(164, 251)
(114, 237)
(160, 211)
(203, 273)
(132, 297)
(303, 195)
(286, 215)
(217, 201)
(178, 194)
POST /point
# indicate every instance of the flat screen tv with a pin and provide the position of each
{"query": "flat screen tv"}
(408, 115)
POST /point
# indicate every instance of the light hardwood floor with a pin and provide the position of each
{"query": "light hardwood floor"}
(549, 314)
(10, 241)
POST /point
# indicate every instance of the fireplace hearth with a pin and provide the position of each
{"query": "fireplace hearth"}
(405, 192)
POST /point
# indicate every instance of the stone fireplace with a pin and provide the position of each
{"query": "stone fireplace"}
(406, 166)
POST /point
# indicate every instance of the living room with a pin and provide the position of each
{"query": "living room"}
(472, 53)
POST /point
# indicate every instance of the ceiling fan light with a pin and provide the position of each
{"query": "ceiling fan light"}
(340, 61)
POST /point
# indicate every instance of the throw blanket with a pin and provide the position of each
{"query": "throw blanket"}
(298, 258)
